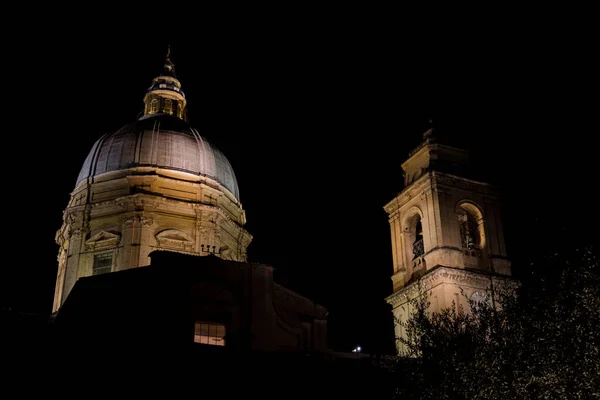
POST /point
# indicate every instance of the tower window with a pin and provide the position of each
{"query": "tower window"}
(168, 108)
(209, 333)
(418, 248)
(154, 106)
(102, 263)
(467, 231)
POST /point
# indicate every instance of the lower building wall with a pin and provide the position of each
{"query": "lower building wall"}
(168, 304)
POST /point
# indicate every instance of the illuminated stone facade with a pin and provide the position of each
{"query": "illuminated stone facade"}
(155, 184)
(446, 231)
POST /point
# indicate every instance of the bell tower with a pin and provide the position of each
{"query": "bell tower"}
(446, 231)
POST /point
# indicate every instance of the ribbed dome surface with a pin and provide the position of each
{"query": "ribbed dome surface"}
(159, 141)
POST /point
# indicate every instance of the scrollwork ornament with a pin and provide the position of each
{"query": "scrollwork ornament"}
(146, 221)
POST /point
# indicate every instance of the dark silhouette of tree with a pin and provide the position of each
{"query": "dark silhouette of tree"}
(542, 343)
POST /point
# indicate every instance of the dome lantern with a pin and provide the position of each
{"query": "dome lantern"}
(164, 95)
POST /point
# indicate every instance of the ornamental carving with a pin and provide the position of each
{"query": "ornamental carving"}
(138, 203)
(77, 231)
(204, 231)
(146, 222)
(69, 218)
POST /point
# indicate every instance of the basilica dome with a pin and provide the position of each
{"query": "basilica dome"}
(159, 141)
(153, 185)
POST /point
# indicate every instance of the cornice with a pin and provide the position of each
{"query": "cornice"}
(155, 202)
(224, 194)
(408, 193)
(438, 182)
(443, 247)
(443, 275)
(157, 205)
(461, 183)
(429, 144)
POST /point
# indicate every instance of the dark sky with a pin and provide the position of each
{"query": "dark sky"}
(316, 117)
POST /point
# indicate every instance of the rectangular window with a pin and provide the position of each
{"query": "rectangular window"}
(102, 263)
(209, 333)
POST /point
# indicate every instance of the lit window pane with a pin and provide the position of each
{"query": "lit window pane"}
(211, 334)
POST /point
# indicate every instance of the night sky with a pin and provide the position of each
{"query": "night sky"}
(316, 119)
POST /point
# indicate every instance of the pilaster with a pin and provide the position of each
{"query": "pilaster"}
(73, 262)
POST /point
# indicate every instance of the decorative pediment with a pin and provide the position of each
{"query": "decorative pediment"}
(175, 238)
(102, 239)
(174, 234)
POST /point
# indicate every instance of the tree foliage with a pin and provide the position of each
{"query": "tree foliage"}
(542, 343)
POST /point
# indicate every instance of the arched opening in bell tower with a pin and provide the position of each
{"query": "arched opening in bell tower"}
(414, 240)
(417, 248)
(472, 233)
